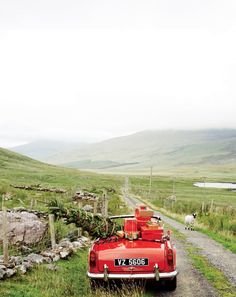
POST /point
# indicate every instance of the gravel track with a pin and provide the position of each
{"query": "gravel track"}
(190, 281)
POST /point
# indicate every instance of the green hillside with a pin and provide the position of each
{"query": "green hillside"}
(18, 169)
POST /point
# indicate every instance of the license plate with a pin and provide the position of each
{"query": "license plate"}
(131, 262)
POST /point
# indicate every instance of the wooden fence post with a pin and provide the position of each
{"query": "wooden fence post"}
(3, 198)
(126, 190)
(211, 207)
(150, 183)
(31, 203)
(105, 206)
(95, 207)
(203, 206)
(80, 231)
(52, 230)
(5, 238)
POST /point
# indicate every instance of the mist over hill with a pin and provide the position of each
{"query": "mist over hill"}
(164, 149)
(43, 150)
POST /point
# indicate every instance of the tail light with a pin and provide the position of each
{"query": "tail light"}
(92, 258)
(170, 257)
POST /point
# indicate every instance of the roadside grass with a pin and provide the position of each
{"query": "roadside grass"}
(215, 208)
(228, 241)
(223, 237)
(215, 277)
(125, 290)
(69, 280)
(212, 274)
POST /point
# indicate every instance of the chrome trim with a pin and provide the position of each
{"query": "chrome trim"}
(133, 275)
(131, 216)
(157, 274)
(105, 272)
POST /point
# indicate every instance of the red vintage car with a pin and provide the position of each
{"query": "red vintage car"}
(140, 251)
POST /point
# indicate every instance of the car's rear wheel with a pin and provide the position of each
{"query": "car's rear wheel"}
(171, 284)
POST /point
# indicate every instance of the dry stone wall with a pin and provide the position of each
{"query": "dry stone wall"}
(23, 227)
(63, 250)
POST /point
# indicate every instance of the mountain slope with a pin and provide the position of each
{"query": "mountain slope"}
(45, 149)
(167, 149)
(15, 168)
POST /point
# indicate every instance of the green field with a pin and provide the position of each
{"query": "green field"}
(20, 170)
(165, 186)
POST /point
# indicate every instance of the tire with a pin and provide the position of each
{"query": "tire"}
(171, 284)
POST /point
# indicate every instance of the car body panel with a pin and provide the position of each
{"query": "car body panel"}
(150, 257)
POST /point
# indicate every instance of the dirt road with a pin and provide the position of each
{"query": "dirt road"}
(190, 281)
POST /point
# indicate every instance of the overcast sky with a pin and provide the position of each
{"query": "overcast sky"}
(89, 70)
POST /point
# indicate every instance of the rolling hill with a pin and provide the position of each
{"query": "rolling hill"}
(22, 170)
(167, 149)
(16, 168)
(43, 150)
(11, 160)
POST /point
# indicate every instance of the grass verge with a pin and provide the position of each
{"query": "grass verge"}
(228, 241)
(211, 273)
(215, 277)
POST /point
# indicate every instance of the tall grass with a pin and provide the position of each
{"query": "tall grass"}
(215, 208)
(215, 218)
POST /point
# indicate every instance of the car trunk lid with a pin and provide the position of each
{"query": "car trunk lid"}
(131, 256)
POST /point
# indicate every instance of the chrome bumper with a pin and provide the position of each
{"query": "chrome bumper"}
(164, 275)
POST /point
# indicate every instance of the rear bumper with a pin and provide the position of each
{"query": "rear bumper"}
(162, 275)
